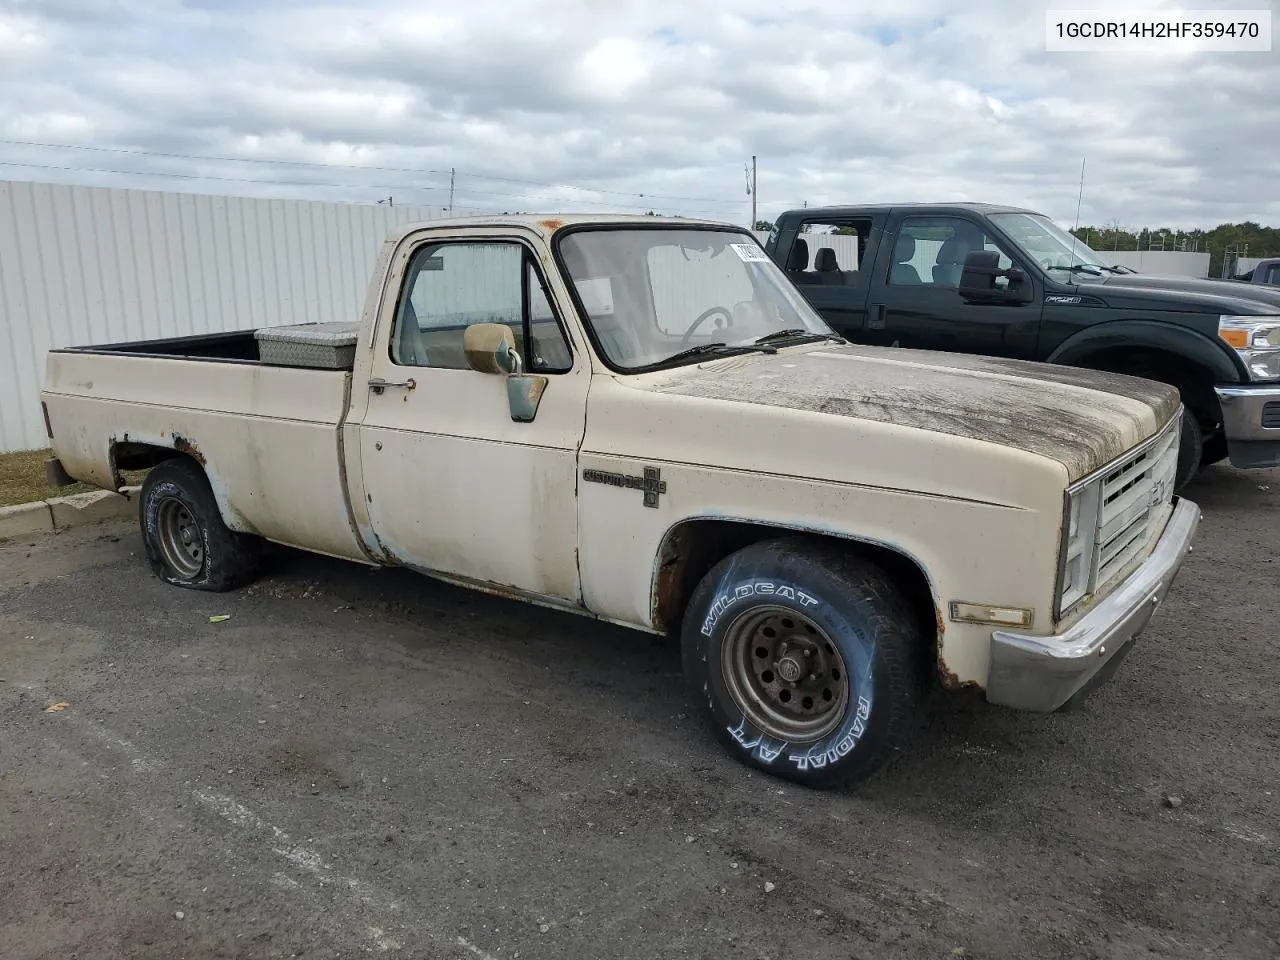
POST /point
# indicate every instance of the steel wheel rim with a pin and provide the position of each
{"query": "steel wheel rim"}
(180, 538)
(785, 674)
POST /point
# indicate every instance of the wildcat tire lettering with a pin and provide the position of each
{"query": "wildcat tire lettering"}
(762, 588)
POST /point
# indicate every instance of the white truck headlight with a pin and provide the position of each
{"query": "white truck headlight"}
(1079, 528)
(1257, 341)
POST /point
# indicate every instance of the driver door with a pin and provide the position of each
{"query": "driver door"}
(452, 484)
(915, 301)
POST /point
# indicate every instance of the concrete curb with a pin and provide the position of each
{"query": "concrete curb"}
(60, 513)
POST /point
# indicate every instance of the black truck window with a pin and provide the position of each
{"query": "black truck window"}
(828, 253)
(930, 251)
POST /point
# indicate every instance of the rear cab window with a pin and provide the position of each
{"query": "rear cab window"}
(829, 252)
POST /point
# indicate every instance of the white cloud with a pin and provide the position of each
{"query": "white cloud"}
(841, 102)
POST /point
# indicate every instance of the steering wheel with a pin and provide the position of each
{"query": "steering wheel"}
(702, 318)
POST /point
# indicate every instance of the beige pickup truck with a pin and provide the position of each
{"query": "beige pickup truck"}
(639, 419)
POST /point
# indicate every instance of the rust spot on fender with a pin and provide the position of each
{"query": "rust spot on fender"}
(950, 681)
(946, 676)
(183, 445)
(551, 223)
(668, 577)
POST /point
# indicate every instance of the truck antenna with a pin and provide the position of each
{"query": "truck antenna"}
(1079, 200)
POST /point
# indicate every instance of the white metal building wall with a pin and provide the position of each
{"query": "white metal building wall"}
(1161, 263)
(85, 265)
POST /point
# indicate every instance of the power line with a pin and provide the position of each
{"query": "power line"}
(355, 166)
(299, 183)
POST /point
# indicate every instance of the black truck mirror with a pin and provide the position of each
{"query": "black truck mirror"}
(981, 279)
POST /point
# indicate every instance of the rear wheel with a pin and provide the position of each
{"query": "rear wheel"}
(187, 543)
(802, 659)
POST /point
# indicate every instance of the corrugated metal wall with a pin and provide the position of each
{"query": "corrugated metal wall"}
(81, 265)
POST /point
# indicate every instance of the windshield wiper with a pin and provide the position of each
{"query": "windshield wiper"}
(792, 332)
(1092, 269)
(703, 348)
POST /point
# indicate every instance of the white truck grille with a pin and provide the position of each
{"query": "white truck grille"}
(1135, 492)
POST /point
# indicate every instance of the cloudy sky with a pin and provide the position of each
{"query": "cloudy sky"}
(598, 105)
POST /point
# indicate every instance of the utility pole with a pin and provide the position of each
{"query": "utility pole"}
(751, 189)
(451, 189)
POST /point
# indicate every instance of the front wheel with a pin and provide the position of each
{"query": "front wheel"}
(186, 541)
(802, 658)
(1190, 449)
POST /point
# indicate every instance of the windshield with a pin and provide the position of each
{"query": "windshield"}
(652, 294)
(1046, 242)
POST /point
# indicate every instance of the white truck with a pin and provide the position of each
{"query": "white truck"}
(641, 420)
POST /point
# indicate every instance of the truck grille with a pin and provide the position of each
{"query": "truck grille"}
(1134, 493)
(1271, 415)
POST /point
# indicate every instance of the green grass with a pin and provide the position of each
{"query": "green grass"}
(22, 478)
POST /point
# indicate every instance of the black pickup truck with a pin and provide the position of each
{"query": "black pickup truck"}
(1002, 281)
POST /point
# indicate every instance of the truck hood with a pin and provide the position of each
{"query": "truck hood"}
(1220, 296)
(1081, 418)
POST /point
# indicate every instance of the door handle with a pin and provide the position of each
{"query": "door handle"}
(378, 385)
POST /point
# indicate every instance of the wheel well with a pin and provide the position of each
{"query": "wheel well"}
(134, 455)
(1193, 380)
(693, 547)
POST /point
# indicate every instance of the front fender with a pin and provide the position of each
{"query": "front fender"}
(1206, 352)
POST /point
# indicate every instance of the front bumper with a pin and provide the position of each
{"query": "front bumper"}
(1046, 673)
(1251, 422)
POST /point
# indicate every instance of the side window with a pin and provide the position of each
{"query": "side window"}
(828, 253)
(450, 286)
(930, 251)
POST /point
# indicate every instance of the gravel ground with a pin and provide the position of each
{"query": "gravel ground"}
(369, 763)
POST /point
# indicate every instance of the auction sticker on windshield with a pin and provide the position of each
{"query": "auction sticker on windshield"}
(750, 253)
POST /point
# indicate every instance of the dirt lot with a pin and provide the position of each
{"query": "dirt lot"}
(368, 763)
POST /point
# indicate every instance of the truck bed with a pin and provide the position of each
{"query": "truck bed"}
(268, 436)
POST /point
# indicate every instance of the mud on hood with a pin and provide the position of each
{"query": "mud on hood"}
(1081, 418)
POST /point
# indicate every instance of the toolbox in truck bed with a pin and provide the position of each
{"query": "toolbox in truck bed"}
(327, 346)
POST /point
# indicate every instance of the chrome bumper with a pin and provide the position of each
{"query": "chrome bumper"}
(1251, 422)
(1047, 673)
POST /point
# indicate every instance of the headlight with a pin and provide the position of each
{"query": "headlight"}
(1257, 340)
(1075, 562)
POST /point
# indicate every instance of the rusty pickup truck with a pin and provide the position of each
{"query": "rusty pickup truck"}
(642, 420)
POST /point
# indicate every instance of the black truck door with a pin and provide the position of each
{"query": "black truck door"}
(914, 302)
(828, 260)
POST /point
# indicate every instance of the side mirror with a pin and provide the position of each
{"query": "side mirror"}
(981, 280)
(491, 348)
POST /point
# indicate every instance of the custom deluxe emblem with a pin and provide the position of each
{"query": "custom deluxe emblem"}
(651, 483)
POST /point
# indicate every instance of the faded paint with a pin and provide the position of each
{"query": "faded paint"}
(1082, 419)
(941, 459)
